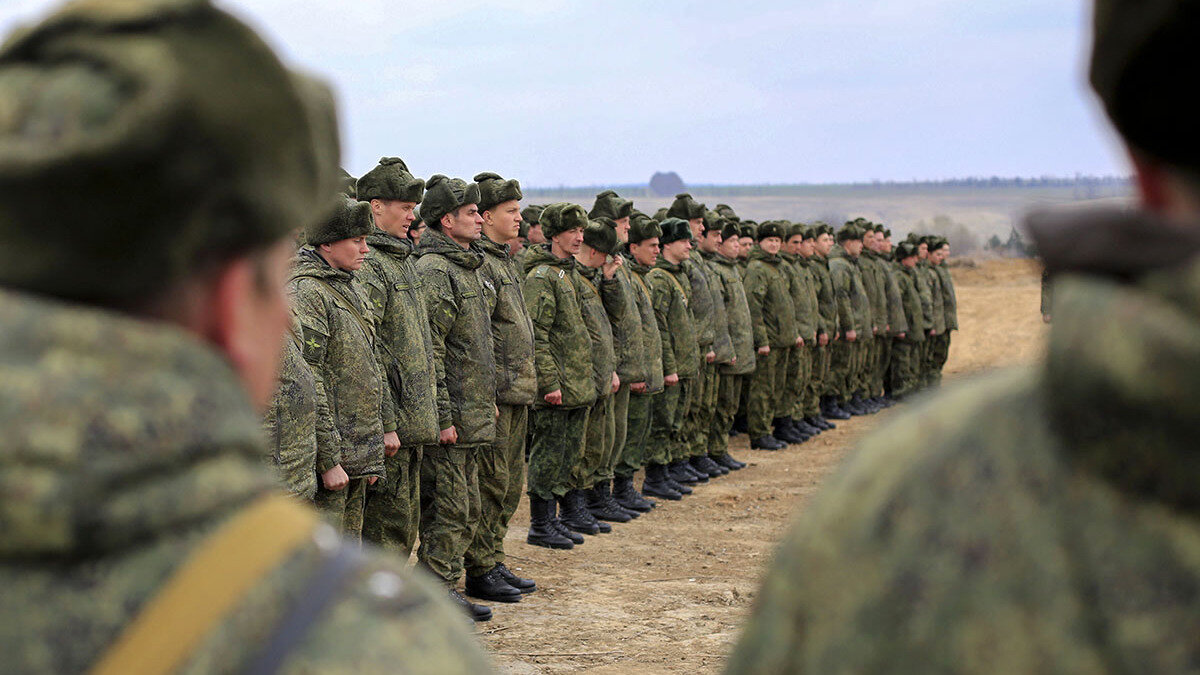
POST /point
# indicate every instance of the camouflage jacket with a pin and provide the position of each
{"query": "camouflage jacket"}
(458, 300)
(562, 348)
(937, 303)
(670, 293)
(651, 355)
(700, 301)
(1043, 520)
(722, 344)
(854, 306)
(628, 337)
(737, 308)
(911, 303)
(875, 284)
(131, 442)
(897, 316)
(600, 299)
(802, 286)
(826, 300)
(949, 300)
(772, 312)
(396, 296)
(339, 344)
(512, 330)
(292, 421)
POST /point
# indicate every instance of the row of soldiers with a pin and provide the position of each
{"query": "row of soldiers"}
(432, 367)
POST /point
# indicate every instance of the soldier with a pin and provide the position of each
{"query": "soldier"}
(816, 239)
(711, 438)
(404, 349)
(874, 278)
(939, 251)
(773, 316)
(906, 348)
(531, 232)
(502, 466)
(898, 325)
(854, 316)
(562, 357)
(1042, 520)
(339, 345)
(641, 252)
(734, 371)
(295, 422)
(670, 291)
(143, 319)
(930, 373)
(458, 301)
(802, 287)
(823, 243)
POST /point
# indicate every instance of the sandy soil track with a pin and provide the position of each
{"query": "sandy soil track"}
(668, 592)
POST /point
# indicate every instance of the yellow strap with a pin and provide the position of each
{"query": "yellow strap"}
(682, 293)
(208, 586)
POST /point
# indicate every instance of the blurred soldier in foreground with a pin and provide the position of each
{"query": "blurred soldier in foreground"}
(1045, 519)
(142, 323)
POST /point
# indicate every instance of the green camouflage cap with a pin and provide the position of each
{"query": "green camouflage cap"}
(494, 190)
(661, 215)
(610, 205)
(673, 230)
(1143, 56)
(726, 211)
(713, 222)
(349, 184)
(797, 230)
(601, 234)
(531, 215)
(820, 228)
(641, 229)
(748, 229)
(769, 229)
(131, 157)
(390, 181)
(914, 238)
(445, 195)
(685, 208)
(349, 219)
(850, 231)
(562, 216)
(729, 229)
(905, 249)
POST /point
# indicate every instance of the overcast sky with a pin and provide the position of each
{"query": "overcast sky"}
(565, 92)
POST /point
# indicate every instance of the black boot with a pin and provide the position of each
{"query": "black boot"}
(541, 525)
(628, 497)
(686, 465)
(476, 612)
(681, 475)
(741, 424)
(835, 410)
(491, 586)
(855, 407)
(786, 434)
(706, 465)
(798, 429)
(572, 514)
(729, 462)
(602, 506)
(523, 585)
(819, 422)
(656, 484)
(808, 427)
(767, 442)
(674, 483)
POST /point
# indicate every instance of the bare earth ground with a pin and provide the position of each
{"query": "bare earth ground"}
(668, 592)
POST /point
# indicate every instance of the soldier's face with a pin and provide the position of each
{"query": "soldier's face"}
(793, 244)
(710, 242)
(346, 254)
(503, 221)
(868, 241)
(910, 261)
(940, 255)
(464, 225)
(535, 234)
(824, 244)
(747, 244)
(590, 257)
(807, 247)
(415, 232)
(730, 248)
(853, 246)
(697, 226)
(677, 251)
(885, 245)
(393, 216)
(623, 229)
(771, 245)
(923, 251)
(645, 252)
(568, 242)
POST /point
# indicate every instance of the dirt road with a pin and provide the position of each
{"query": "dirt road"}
(668, 592)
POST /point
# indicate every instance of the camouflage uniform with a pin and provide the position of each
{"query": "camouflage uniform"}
(854, 313)
(897, 321)
(1039, 520)
(802, 287)
(773, 315)
(502, 469)
(709, 325)
(629, 343)
(940, 350)
(728, 283)
(458, 301)
(599, 299)
(339, 345)
(875, 284)
(903, 372)
(562, 355)
(933, 284)
(642, 406)
(394, 293)
(670, 292)
(827, 324)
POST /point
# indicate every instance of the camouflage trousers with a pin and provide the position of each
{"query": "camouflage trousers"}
(766, 383)
(344, 508)
(904, 369)
(393, 513)
(866, 373)
(729, 390)
(556, 442)
(940, 354)
(449, 508)
(799, 377)
(618, 428)
(501, 477)
(848, 361)
(597, 444)
(698, 422)
(810, 400)
(641, 411)
(883, 356)
(666, 423)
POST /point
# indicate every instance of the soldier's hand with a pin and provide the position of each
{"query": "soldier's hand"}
(638, 387)
(554, 397)
(799, 341)
(874, 330)
(899, 335)
(391, 443)
(671, 380)
(610, 267)
(335, 479)
(372, 480)
(851, 335)
(932, 332)
(616, 382)
(764, 350)
(497, 407)
(733, 362)
(710, 357)
(823, 339)
(448, 436)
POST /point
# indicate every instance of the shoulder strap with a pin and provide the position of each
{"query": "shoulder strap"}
(590, 285)
(683, 294)
(209, 585)
(357, 316)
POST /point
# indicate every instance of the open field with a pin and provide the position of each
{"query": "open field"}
(668, 592)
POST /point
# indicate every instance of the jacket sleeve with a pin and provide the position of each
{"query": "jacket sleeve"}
(442, 308)
(660, 297)
(376, 299)
(310, 311)
(842, 291)
(543, 309)
(756, 296)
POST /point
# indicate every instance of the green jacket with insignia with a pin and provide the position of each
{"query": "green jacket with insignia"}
(512, 330)
(700, 301)
(651, 355)
(803, 288)
(772, 312)
(670, 291)
(722, 344)
(875, 284)
(562, 348)
(853, 304)
(937, 302)
(339, 345)
(126, 444)
(949, 300)
(628, 337)
(737, 307)
(911, 302)
(458, 301)
(599, 300)
(897, 317)
(397, 301)
(826, 299)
